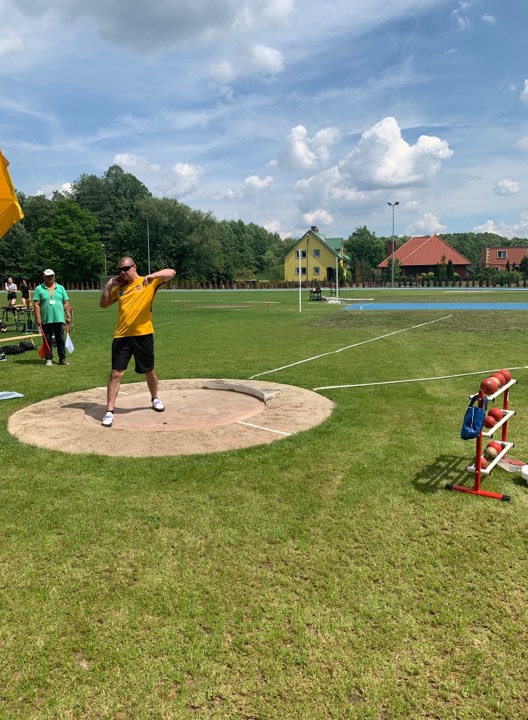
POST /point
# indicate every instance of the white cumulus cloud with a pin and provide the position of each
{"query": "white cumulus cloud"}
(266, 59)
(183, 179)
(507, 187)
(429, 224)
(273, 226)
(250, 60)
(254, 182)
(486, 227)
(516, 229)
(318, 217)
(48, 190)
(383, 159)
(134, 163)
(329, 189)
(302, 152)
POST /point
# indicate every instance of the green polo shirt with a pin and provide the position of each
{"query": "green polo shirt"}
(51, 308)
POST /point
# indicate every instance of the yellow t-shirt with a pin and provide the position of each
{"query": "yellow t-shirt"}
(135, 307)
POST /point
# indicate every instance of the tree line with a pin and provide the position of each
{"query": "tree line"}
(82, 234)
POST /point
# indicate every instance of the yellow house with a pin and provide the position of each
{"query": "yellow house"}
(320, 258)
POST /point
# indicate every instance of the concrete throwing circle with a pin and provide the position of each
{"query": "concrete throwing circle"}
(201, 416)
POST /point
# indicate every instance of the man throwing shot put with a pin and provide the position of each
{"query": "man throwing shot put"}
(134, 333)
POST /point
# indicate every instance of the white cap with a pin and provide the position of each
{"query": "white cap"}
(48, 272)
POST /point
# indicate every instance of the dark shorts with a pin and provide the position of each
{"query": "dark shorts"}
(11, 295)
(140, 347)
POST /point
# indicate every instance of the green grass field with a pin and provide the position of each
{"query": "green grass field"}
(325, 576)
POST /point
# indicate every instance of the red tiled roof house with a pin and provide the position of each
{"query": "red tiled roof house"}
(421, 255)
(501, 258)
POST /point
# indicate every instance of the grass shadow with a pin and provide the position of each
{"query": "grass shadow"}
(446, 469)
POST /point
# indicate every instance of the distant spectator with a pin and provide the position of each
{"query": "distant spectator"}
(11, 290)
(24, 290)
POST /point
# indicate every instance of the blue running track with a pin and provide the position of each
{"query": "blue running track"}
(438, 306)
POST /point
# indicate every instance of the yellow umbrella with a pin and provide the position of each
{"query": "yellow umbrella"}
(10, 210)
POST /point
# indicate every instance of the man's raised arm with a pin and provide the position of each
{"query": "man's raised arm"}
(165, 276)
(105, 300)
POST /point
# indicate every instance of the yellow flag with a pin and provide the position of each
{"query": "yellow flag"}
(10, 210)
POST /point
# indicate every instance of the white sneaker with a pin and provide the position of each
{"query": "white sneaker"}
(157, 405)
(108, 419)
(48, 363)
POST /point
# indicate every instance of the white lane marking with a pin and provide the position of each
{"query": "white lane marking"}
(425, 379)
(261, 427)
(348, 347)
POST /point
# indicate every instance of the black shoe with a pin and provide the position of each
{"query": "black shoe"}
(63, 362)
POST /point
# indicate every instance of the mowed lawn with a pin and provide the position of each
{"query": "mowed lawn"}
(327, 575)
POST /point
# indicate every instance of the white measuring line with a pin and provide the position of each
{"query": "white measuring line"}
(398, 382)
(348, 347)
(261, 427)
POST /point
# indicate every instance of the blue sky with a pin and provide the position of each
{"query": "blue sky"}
(286, 113)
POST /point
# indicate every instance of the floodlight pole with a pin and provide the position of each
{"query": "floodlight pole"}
(148, 248)
(337, 278)
(104, 252)
(392, 205)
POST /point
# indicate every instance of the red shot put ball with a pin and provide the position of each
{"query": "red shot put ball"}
(500, 377)
(489, 385)
(483, 463)
(496, 445)
(507, 375)
(496, 413)
(489, 421)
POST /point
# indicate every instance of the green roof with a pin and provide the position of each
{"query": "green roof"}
(334, 243)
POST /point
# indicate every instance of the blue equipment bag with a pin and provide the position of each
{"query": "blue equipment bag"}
(473, 420)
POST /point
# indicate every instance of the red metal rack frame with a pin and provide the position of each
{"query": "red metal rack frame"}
(506, 446)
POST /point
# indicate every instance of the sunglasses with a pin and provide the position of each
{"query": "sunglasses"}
(125, 268)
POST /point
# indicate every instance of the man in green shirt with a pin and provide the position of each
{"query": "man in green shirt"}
(52, 314)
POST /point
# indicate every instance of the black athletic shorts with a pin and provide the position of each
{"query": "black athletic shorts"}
(141, 347)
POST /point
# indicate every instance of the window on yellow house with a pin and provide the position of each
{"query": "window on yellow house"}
(303, 271)
(317, 253)
(316, 270)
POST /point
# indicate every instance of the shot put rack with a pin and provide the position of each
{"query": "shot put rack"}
(502, 425)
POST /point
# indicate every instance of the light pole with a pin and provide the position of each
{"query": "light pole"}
(104, 252)
(148, 247)
(392, 205)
